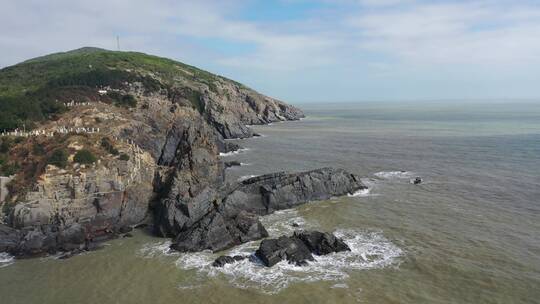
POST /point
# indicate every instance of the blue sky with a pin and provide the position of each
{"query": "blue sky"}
(303, 51)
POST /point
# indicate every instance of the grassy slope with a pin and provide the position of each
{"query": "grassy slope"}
(29, 90)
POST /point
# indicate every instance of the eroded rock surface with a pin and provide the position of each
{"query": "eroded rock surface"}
(298, 248)
(231, 217)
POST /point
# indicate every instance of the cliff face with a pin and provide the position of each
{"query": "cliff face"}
(235, 106)
(151, 130)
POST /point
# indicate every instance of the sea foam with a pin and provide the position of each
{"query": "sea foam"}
(234, 152)
(369, 250)
(360, 193)
(6, 259)
(393, 174)
(244, 177)
(152, 250)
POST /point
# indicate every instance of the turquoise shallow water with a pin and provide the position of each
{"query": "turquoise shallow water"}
(469, 234)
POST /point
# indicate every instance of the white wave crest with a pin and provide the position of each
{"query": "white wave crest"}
(234, 152)
(152, 250)
(369, 250)
(6, 259)
(360, 193)
(393, 174)
(284, 222)
(244, 177)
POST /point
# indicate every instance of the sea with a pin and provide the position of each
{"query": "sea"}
(469, 233)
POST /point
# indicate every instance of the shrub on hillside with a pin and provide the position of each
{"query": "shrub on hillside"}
(120, 100)
(9, 169)
(124, 157)
(85, 157)
(5, 144)
(58, 158)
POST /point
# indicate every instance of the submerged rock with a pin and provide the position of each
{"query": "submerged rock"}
(224, 260)
(299, 248)
(233, 163)
(417, 181)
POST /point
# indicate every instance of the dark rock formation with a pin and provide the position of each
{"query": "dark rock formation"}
(125, 229)
(267, 193)
(417, 181)
(227, 146)
(231, 217)
(322, 243)
(217, 232)
(41, 240)
(233, 163)
(224, 259)
(298, 248)
(292, 249)
(9, 238)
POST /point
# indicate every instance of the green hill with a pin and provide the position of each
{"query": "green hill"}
(36, 89)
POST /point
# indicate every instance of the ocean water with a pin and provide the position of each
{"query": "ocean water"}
(469, 234)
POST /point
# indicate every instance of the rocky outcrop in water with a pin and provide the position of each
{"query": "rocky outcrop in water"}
(217, 232)
(224, 260)
(299, 248)
(233, 163)
(417, 181)
(231, 217)
(267, 193)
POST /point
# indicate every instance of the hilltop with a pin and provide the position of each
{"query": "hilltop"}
(37, 89)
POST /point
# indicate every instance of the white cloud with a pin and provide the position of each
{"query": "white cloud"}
(348, 37)
(466, 33)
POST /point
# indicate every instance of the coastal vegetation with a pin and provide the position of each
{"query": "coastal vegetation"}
(84, 157)
(58, 158)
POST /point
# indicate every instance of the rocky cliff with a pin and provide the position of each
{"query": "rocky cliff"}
(124, 139)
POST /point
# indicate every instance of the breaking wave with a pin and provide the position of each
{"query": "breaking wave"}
(285, 222)
(234, 152)
(360, 193)
(6, 259)
(152, 250)
(369, 250)
(244, 177)
(371, 185)
(393, 174)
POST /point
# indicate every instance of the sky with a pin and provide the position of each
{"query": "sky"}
(306, 51)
